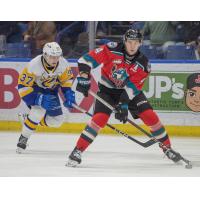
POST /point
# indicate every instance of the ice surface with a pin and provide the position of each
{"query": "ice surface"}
(108, 156)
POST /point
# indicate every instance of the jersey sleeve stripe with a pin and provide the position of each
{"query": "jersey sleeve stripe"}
(67, 84)
(88, 58)
(141, 66)
(25, 91)
(117, 53)
(133, 87)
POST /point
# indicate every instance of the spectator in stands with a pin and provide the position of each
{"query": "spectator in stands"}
(192, 31)
(38, 34)
(60, 25)
(137, 25)
(81, 47)
(160, 33)
(72, 29)
(11, 31)
(198, 48)
(68, 36)
(192, 35)
(111, 30)
(102, 28)
(196, 45)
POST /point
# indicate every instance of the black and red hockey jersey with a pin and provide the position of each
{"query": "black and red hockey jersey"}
(117, 71)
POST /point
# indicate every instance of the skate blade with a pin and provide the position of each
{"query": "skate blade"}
(186, 165)
(71, 163)
(19, 150)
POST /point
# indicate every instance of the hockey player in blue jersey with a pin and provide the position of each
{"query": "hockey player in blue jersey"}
(38, 86)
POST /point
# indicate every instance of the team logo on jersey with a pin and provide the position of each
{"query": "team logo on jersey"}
(118, 76)
(98, 50)
(117, 61)
(48, 80)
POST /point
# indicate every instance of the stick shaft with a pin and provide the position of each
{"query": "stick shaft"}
(143, 144)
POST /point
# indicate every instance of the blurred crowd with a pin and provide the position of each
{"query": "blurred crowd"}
(161, 39)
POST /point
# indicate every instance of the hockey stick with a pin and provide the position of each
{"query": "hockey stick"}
(143, 144)
(188, 163)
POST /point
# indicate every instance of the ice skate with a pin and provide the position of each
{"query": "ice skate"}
(172, 155)
(22, 144)
(74, 158)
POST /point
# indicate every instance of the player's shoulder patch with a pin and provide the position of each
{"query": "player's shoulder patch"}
(112, 45)
(63, 63)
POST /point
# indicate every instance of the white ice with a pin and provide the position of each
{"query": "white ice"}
(108, 156)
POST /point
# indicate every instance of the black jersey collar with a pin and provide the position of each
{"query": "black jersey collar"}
(130, 58)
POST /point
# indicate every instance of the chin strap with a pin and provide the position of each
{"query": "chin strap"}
(46, 64)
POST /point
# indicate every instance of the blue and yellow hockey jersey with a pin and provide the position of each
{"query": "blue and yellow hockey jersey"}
(38, 77)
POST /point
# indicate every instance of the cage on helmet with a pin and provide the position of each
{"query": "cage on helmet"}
(52, 49)
(132, 34)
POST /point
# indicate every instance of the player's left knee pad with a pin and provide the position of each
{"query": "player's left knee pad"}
(54, 121)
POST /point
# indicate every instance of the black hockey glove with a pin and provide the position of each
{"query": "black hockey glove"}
(83, 85)
(121, 112)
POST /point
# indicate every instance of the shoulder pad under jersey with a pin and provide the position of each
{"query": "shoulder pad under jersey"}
(143, 60)
(34, 66)
(112, 45)
(115, 46)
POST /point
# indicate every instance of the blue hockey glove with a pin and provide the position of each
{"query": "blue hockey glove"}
(47, 101)
(83, 85)
(69, 98)
(121, 112)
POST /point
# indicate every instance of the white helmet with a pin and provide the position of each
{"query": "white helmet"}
(52, 49)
